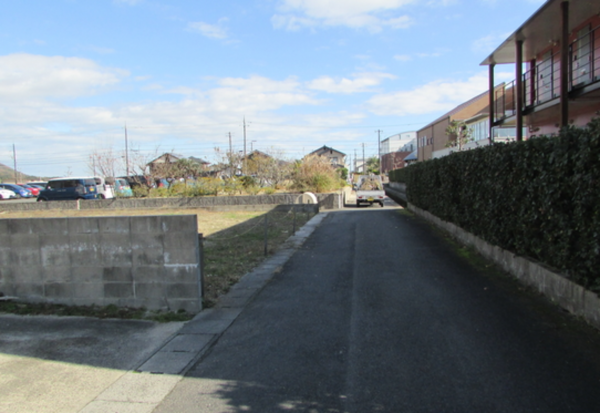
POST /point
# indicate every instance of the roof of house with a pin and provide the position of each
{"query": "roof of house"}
(198, 160)
(173, 157)
(166, 155)
(457, 109)
(325, 148)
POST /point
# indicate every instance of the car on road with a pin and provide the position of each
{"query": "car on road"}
(369, 190)
(19, 190)
(63, 189)
(7, 194)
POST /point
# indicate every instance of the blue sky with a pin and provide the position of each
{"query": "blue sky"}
(183, 74)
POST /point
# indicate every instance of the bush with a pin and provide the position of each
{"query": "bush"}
(316, 174)
(539, 198)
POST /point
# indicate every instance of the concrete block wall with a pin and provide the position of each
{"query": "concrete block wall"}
(216, 203)
(137, 261)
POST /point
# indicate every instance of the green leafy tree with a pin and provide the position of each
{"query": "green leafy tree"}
(373, 165)
(460, 134)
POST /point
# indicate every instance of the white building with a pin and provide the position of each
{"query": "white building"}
(395, 142)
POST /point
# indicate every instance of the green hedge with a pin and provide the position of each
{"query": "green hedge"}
(539, 198)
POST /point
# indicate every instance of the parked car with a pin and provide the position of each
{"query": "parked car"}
(121, 187)
(104, 188)
(38, 184)
(138, 180)
(7, 194)
(35, 191)
(62, 189)
(19, 190)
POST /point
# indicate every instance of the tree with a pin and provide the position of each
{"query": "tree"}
(105, 163)
(372, 166)
(268, 168)
(460, 134)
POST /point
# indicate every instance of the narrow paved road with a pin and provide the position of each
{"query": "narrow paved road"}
(377, 313)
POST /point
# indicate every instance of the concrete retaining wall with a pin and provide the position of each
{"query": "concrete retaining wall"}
(552, 284)
(143, 261)
(219, 203)
(397, 192)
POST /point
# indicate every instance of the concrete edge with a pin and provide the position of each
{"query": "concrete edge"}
(569, 295)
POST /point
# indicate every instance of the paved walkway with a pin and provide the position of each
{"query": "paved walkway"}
(68, 365)
(390, 330)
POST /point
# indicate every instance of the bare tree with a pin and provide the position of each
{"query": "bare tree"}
(105, 163)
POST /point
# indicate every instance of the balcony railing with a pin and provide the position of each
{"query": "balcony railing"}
(541, 83)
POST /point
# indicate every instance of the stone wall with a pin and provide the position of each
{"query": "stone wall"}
(136, 261)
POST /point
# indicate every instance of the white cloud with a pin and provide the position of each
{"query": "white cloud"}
(257, 94)
(441, 95)
(213, 31)
(26, 76)
(403, 58)
(362, 82)
(358, 14)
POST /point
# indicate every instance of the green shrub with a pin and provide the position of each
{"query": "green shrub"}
(140, 191)
(539, 198)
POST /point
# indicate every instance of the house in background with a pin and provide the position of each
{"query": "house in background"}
(158, 165)
(394, 150)
(556, 54)
(433, 137)
(337, 158)
(433, 140)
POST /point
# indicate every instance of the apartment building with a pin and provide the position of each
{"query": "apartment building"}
(556, 54)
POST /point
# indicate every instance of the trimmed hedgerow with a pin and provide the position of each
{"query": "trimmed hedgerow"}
(539, 198)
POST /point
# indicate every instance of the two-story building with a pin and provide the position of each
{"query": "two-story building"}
(394, 150)
(556, 54)
(337, 158)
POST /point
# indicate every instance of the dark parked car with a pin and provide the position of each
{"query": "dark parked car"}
(63, 189)
(138, 180)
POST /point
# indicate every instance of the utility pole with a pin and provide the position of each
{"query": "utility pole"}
(230, 155)
(244, 145)
(126, 152)
(355, 161)
(15, 164)
(364, 161)
(379, 148)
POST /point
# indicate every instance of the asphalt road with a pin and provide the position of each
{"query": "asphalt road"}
(378, 313)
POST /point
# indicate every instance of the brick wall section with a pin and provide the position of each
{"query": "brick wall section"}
(145, 261)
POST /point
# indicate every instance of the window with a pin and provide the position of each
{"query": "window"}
(480, 130)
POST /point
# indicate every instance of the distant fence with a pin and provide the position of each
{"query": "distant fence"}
(137, 261)
(220, 203)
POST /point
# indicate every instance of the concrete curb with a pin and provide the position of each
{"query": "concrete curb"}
(145, 388)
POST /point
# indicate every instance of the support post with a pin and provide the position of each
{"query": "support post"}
(564, 66)
(519, 90)
(492, 103)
